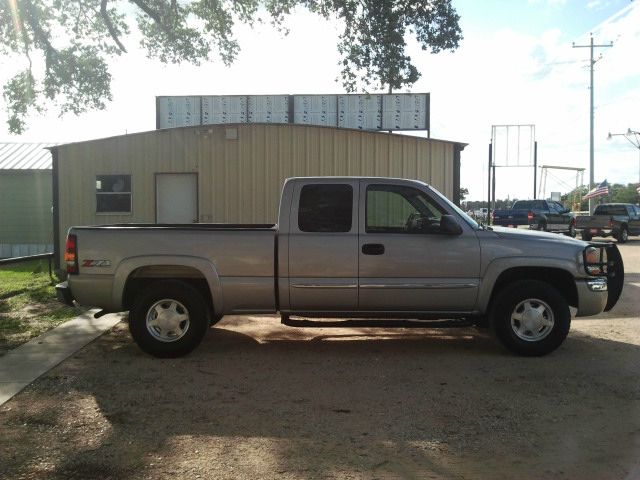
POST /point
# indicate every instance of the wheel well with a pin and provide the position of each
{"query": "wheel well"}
(142, 277)
(562, 280)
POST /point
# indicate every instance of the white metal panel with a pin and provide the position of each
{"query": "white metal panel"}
(315, 110)
(178, 111)
(268, 108)
(360, 111)
(220, 109)
(404, 111)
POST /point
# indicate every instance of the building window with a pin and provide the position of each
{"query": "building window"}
(325, 208)
(113, 193)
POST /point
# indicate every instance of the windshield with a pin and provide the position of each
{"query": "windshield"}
(457, 209)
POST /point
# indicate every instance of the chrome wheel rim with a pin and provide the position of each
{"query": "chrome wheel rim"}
(625, 234)
(167, 320)
(532, 320)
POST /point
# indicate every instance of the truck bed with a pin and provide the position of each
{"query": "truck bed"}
(241, 257)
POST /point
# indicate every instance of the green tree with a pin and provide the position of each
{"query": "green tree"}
(66, 44)
(623, 194)
(463, 193)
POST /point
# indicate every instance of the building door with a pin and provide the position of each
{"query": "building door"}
(176, 197)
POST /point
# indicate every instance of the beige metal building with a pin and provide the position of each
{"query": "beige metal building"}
(227, 173)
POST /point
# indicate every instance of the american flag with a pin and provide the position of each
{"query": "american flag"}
(638, 189)
(598, 191)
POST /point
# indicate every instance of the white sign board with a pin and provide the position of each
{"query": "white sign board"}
(224, 109)
(268, 109)
(315, 110)
(404, 111)
(360, 111)
(178, 112)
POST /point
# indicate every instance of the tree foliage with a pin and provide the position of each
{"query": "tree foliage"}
(66, 44)
(618, 193)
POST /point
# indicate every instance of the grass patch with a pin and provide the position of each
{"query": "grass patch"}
(33, 311)
(24, 275)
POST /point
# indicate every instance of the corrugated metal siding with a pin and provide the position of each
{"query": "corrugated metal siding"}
(25, 156)
(25, 207)
(239, 180)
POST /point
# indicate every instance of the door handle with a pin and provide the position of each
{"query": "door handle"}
(373, 249)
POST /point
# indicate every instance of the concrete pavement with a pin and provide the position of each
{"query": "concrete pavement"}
(21, 366)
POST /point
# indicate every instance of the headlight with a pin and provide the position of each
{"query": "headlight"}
(595, 261)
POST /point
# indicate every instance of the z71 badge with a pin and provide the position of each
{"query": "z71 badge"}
(96, 263)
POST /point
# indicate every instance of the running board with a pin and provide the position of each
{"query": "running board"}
(369, 323)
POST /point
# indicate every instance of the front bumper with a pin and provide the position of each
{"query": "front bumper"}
(63, 293)
(592, 296)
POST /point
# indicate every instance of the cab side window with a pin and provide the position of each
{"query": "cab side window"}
(399, 209)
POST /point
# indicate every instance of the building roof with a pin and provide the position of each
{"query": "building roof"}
(25, 156)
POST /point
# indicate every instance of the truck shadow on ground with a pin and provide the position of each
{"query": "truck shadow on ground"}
(273, 402)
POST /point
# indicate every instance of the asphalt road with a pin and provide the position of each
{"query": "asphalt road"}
(261, 400)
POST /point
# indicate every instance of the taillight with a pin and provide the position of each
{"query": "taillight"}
(71, 254)
(529, 216)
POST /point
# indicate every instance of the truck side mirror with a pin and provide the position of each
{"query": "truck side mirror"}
(449, 225)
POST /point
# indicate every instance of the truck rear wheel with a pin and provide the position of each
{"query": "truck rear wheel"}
(530, 318)
(586, 236)
(623, 235)
(169, 319)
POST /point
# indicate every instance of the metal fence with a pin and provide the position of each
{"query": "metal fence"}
(41, 256)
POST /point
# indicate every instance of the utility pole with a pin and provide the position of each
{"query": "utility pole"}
(592, 62)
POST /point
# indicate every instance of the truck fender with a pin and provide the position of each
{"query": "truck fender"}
(500, 265)
(203, 265)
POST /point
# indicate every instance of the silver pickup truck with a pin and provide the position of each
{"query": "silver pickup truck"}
(372, 248)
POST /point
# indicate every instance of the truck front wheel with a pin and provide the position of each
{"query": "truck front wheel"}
(169, 319)
(530, 318)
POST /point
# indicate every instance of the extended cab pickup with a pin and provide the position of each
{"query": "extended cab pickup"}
(344, 247)
(537, 215)
(617, 219)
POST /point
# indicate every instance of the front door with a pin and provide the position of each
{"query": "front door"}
(176, 198)
(405, 263)
(323, 247)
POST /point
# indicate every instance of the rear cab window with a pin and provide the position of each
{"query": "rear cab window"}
(325, 208)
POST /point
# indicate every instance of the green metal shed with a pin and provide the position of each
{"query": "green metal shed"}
(26, 226)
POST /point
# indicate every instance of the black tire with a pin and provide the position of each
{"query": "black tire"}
(542, 226)
(586, 236)
(623, 235)
(572, 230)
(179, 337)
(555, 317)
(481, 321)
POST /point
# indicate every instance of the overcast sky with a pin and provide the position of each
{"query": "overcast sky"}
(516, 65)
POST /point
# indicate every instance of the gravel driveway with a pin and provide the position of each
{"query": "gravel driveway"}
(260, 400)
